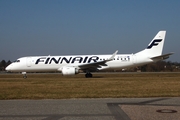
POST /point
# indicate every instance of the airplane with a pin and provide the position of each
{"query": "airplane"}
(74, 64)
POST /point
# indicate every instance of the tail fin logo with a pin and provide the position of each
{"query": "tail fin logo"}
(154, 43)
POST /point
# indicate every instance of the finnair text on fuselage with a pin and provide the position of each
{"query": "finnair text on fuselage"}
(77, 59)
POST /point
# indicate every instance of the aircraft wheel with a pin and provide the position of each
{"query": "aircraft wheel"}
(24, 76)
(90, 75)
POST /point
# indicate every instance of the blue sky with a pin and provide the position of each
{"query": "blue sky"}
(68, 27)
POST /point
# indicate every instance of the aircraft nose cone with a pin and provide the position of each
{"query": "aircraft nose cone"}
(8, 68)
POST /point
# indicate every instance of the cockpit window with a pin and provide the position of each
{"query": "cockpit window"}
(16, 61)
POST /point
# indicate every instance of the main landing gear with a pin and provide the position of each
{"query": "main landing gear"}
(88, 75)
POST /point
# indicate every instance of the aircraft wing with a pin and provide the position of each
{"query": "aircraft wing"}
(162, 57)
(95, 65)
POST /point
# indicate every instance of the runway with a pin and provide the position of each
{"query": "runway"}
(92, 109)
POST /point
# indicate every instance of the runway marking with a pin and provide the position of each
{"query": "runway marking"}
(117, 112)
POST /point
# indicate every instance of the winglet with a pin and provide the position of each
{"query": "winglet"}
(113, 55)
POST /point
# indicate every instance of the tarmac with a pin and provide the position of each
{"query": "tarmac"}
(92, 109)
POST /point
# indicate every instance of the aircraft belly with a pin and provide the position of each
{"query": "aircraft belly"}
(117, 65)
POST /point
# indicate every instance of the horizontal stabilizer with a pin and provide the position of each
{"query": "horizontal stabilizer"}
(162, 57)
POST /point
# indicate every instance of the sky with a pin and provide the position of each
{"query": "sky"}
(73, 27)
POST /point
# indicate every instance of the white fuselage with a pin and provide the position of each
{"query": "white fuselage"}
(55, 63)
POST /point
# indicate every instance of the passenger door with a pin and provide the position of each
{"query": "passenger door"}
(28, 61)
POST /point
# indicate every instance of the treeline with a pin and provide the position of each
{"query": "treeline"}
(4, 64)
(161, 66)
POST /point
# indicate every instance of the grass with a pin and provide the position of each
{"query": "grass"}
(56, 86)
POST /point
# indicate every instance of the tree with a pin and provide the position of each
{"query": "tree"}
(8, 63)
(3, 65)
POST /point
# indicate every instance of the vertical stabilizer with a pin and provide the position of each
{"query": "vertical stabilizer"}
(155, 47)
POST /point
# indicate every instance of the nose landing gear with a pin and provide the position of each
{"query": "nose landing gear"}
(24, 75)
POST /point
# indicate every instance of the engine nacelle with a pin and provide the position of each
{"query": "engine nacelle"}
(69, 71)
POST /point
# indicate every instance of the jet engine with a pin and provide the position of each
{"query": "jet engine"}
(69, 71)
